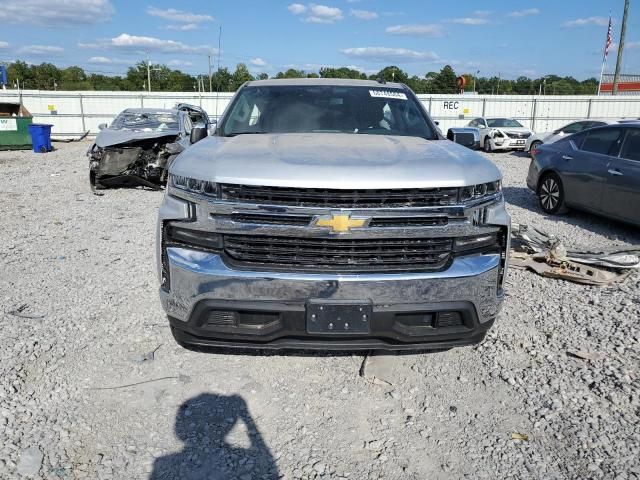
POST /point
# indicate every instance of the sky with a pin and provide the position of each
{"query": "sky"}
(505, 37)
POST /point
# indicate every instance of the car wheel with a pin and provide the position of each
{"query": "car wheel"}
(535, 144)
(551, 194)
(487, 145)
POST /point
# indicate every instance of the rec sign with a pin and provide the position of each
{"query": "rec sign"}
(451, 105)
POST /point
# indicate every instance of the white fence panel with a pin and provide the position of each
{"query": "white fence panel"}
(72, 113)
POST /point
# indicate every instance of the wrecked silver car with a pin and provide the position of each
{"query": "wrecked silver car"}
(140, 144)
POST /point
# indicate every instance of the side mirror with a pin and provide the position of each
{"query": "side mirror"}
(556, 132)
(197, 134)
(213, 125)
(102, 126)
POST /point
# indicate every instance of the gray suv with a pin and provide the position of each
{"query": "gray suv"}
(331, 214)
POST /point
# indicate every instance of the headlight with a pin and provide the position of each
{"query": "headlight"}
(194, 185)
(193, 238)
(465, 244)
(474, 192)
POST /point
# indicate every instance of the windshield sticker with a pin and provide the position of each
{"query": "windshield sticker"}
(388, 94)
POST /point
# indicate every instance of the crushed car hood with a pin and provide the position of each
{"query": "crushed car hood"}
(109, 137)
(326, 160)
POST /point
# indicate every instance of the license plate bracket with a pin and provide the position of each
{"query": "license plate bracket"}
(343, 318)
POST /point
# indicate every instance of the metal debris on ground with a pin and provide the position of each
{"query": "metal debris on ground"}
(18, 312)
(547, 256)
(591, 356)
(520, 436)
(149, 356)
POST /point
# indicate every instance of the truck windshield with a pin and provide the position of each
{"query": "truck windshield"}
(326, 109)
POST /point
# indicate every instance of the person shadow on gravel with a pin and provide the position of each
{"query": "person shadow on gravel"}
(211, 426)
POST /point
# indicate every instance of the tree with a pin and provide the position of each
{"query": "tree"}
(240, 76)
(262, 76)
(291, 73)
(391, 74)
(221, 80)
(445, 81)
(343, 72)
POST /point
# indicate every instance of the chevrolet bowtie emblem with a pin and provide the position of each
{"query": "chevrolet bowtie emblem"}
(340, 223)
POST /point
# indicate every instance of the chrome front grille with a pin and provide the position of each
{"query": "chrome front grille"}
(338, 254)
(305, 220)
(518, 135)
(338, 198)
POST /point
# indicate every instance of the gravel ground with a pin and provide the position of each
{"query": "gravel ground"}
(77, 272)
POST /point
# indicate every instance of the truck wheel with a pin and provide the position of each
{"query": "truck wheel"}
(487, 145)
(551, 194)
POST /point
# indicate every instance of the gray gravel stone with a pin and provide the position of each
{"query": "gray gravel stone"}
(288, 413)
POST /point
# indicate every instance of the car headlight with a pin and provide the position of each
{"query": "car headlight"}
(474, 192)
(465, 244)
(194, 185)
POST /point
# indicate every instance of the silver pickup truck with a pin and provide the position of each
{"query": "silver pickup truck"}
(331, 214)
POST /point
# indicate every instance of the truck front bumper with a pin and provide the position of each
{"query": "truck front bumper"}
(210, 304)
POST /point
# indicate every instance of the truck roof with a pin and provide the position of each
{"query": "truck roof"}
(342, 82)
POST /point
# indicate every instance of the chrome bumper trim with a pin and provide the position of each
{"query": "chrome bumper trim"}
(197, 276)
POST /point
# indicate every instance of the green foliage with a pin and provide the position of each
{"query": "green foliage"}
(344, 72)
(291, 73)
(47, 76)
(240, 76)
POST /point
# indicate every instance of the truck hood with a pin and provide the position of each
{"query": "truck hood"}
(327, 160)
(109, 137)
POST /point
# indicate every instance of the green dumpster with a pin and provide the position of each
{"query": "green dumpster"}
(14, 126)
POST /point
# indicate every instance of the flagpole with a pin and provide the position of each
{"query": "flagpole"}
(607, 44)
(604, 61)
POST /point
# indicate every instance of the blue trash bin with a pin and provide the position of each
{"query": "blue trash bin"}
(40, 137)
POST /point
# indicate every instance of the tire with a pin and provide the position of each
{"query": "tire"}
(535, 144)
(487, 145)
(551, 195)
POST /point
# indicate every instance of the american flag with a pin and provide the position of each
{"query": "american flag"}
(609, 40)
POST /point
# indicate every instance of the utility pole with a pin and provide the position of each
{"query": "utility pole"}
(623, 30)
(210, 87)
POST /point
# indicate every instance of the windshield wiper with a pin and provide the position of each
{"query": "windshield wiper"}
(234, 134)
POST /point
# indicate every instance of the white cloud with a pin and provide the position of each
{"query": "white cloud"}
(135, 42)
(40, 50)
(583, 22)
(179, 63)
(90, 45)
(384, 54)
(470, 21)
(523, 13)
(4, 45)
(297, 8)
(100, 60)
(323, 14)
(178, 15)
(314, 13)
(52, 14)
(427, 30)
(364, 14)
(183, 28)
(258, 62)
(481, 13)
